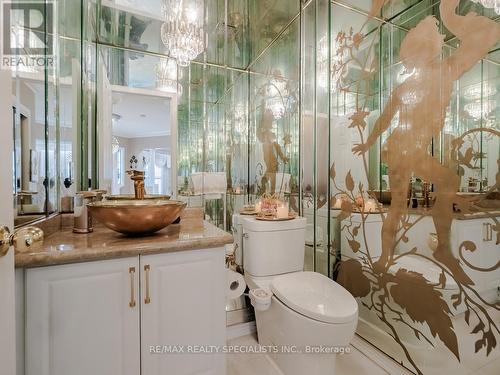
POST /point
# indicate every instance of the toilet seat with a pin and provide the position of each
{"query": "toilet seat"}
(315, 296)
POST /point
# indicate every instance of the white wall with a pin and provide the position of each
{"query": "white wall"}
(133, 147)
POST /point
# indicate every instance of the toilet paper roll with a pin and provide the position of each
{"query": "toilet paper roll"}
(235, 284)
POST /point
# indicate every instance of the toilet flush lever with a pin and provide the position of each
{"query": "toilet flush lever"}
(245, 236)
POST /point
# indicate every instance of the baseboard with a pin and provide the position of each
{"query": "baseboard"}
(239, 330)
(379, 357)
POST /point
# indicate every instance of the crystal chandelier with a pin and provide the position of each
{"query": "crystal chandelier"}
(495, 4)
(167, 77)
(182, 32)
(478, 109)
(115, 145)
(478, 91)
(277, 94)
(277, 91)
(239, 118)
(336, 62)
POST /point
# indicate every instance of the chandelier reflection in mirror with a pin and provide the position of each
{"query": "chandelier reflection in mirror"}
(167, 77)
(182, 32)
(278, 94)
(239, 118)
(337, 72)
(495, 4)
(480, 106)
(480, 109)
(478, 91)
(115, 145)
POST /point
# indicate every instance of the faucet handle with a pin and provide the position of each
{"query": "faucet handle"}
(135, 173)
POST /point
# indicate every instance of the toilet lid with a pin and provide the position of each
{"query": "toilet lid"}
(315, 296)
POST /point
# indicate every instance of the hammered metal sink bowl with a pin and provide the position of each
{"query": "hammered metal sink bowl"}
(136, 217)
(129, 197)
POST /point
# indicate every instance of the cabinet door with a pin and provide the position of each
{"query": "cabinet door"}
(186, 307)
(83, 319)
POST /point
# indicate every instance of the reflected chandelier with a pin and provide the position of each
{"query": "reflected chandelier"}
(182, 32)
(478, 110)
(167, 77)
(495, 4)
(277, 94)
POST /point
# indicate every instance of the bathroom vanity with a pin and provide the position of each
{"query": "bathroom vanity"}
(103, 303)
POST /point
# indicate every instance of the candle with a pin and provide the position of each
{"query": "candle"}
(338, 203)
(370, 206)
(282, 211)
(258, 207)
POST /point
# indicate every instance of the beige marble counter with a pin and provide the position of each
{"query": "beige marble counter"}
(482, 214)
(64, 246)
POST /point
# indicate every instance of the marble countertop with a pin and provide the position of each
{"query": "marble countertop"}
(484, 214)
(64, 246)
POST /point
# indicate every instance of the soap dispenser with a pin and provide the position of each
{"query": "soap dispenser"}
(82, 218)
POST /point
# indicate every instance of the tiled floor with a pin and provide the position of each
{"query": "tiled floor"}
(354, 363)
(492, 368)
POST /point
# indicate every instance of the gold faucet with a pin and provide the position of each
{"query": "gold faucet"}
(138, 178)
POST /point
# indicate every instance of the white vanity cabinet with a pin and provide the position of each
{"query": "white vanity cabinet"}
(109, 317)
(184, 309)
(83, 319)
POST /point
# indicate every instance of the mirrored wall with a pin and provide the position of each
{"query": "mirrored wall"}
(53, 111)
(413, 174)
(378, 122)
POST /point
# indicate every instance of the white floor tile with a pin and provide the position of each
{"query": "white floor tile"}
(353, 363)
(492, 368)
(356, 363)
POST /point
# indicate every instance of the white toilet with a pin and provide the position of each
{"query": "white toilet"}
(303, 313)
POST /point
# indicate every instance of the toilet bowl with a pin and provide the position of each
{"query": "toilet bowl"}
(305, 318)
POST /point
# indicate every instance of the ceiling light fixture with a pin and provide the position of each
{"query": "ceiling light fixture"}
(115, 145)
(478, 109)
(167, 77)
(336, 70)
(478, 91)
(183, 32)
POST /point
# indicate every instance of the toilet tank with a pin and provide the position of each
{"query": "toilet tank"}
(273, 247)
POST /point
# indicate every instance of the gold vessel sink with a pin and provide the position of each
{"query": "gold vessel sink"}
(132, 197)
(136, 217)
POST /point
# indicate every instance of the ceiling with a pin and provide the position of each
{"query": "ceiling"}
(141, 115)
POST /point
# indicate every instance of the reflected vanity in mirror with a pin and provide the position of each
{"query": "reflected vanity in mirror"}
(31, 182)
(141, 140)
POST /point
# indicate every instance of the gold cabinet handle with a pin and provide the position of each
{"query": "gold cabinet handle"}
(147, 300)
(131, 271)
(22, 239)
